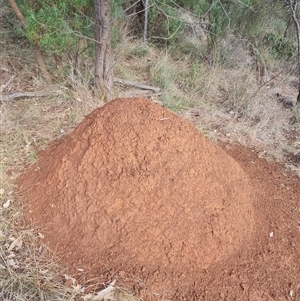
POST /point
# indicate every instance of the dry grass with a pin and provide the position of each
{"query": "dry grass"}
(244, 112)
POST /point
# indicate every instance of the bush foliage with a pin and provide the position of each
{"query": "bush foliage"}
(66, 26)
(57, 26)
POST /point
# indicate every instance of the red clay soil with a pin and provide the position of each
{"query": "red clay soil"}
(137, 194)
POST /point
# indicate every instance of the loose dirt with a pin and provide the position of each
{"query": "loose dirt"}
(137, 194)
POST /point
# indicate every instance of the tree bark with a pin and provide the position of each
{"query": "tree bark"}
(294, 6)
(37, 48)
(146, 21)
(103, 57)
(16, 10)
(42, 66)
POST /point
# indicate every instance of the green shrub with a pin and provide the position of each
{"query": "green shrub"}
(279, 46)
(57, 26)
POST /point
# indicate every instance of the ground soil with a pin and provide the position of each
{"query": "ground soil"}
(139, 195)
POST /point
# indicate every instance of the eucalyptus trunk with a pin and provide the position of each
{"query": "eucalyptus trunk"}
(103, 57)
(294, 6)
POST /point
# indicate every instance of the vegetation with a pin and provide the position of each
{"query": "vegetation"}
(64, 30)
(230, 63)
(57, 26)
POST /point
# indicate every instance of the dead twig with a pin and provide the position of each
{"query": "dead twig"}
(19, 95)
(137, 85)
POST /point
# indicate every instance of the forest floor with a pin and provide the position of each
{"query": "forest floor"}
(267, 267)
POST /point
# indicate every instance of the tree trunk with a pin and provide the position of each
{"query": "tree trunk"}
(103, 57)
(146, 22)
(37, 48)
(16, 10)
(295, 14)
(42, 65)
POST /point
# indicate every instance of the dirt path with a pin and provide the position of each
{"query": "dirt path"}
(138, 195)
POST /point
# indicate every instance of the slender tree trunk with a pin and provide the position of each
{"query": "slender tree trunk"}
(146, 21)
(103, 57)
(294, 5)
(16, 10)
(42, 66)
(38, 51)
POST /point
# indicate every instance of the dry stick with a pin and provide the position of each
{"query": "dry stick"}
(137, 85)
(19, 95)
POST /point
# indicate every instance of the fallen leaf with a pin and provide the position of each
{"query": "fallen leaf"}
(12, 263)
(6, 204)
(17, 243)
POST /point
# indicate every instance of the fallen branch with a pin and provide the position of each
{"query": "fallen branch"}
(19, 95)
(145, 94)
(135, 93)
(137, 85)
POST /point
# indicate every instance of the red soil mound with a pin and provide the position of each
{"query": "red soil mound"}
(136, 189)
